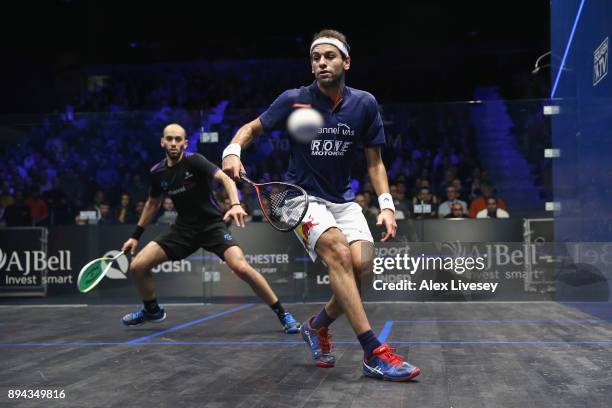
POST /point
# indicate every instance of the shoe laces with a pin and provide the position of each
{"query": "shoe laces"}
(289, 319)
(388, 354)
(324, 337)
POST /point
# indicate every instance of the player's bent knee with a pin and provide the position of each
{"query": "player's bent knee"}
(242, 270)
(138, 267)
(340, 255)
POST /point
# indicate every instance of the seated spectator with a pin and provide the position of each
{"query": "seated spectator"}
(457, 211)
(38, 207)
(425, 204)
(106, 216)
(98, 199)
(461, 194)
(139, 208)
(480, 203)
(369, 205)
(492, 211)
(168, 214)
(451, 198)
(367, 213)
(125, 214)
(402, 208)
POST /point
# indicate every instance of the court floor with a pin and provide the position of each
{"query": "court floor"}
(529, 354)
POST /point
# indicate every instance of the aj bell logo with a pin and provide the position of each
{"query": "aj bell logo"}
(34, 261)
(122, 268)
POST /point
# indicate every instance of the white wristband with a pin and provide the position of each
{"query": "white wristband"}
(385, 201)
(232, 148)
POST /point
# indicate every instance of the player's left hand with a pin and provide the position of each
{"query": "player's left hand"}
(387, 218)
(237, 213)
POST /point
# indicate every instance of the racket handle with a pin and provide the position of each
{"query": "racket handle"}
(119, 255)
(243, 177)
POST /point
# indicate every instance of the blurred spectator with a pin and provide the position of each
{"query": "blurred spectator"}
(480, 203)
(6, 199)
(492, 211)
(451, 198)
(18, 214)
(369, 204)
(98, 199)
(367, 213)
(399, 200)
(461, 194)
(106, 216)
(457, 211)
(425, 205)
(124, 213)
(38, 207)
(474, 184)
(401, 212)
(168, 214)
(138, 208)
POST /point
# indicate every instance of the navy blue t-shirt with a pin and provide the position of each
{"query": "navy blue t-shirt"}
(322, 167)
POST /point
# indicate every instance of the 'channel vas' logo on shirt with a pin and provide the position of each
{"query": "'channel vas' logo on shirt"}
(341, 129)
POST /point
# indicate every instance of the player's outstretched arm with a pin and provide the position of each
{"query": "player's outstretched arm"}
(150, 209)
(236, 212)
(378, 176)
(231, 165)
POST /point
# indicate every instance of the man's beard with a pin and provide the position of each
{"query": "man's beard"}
(331, 82)
(174, 156)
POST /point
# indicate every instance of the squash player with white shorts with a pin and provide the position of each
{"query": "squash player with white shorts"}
(334, 227)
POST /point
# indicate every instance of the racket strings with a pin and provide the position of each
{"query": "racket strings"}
(283, 205)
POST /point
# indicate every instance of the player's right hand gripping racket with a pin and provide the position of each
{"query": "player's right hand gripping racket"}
(283, 204)
(94, 271)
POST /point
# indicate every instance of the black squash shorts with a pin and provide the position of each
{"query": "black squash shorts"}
(180, 242)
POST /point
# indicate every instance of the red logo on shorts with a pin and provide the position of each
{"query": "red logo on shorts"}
(307, 226)
(304, 229)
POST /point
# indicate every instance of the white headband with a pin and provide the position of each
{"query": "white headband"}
(333, 41)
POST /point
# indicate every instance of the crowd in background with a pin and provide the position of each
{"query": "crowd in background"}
(77, 167)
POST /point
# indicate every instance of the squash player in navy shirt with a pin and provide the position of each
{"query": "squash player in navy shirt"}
(187, 179)
(334, 227)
